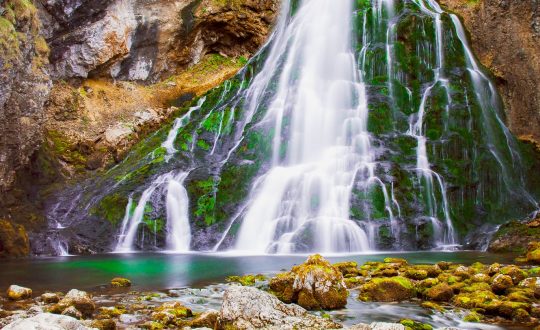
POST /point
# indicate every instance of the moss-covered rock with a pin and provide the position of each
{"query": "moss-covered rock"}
(171, 314)
(13, 240)
(516, 273)
(390, 289)
(440, 292)
(15, 292)
(315, 284)
(413, 325)
(416, 274)
(81, 300)
(246, 280)
(348, 268)
(500, 283)
(533, 252)
(120, 282)
(473, 317)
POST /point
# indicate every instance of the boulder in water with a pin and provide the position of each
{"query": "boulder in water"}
(73, 312)
(50, 298)
(501, 283)
(47, 321)
(120, 282)
(78, 299)
(208, 319)
(396, 288)
(15, 292)
(171, 313)
(440, 292)
(315, 284)
(515, 273)
(249, 308)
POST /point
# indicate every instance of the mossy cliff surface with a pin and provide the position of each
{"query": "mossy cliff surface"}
(227, 143)
(160, 55)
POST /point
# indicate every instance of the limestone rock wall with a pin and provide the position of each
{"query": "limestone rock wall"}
(505, 35)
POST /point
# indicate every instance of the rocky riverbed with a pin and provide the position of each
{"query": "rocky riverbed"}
(312, 295)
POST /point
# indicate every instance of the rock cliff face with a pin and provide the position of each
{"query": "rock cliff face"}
(24, 87)
(82, 80)
(143, 40)
(506, 37)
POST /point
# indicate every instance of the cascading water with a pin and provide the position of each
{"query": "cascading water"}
(307, 191)
(360, 125)
(178, 228)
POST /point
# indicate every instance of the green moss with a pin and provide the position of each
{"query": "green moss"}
(111, 208)
(246, 280)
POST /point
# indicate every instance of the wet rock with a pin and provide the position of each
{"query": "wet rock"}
(207, 319)
(120, 282)
(533, 253)
(73, 312)
(387, 289)
(13, 239)
(171, 314)
(473, 317)
(106, 324)
(416, 274)
(246, 280)
(250, 308)
(440, 292)
(313, 285)
(47, 321)
(78, 299)
(378, 326)
(481, 278)
(514, 272)
(494, 269)
(501, 283)
(50, 298)
(414, 325)
(348, 268)
(531, 283)
(15, 292)
(399, 261)
(463, 271)
(478, 299)
(444, 265)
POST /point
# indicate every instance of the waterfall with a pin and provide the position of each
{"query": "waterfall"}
(307, 191)
(358, 126)
(178, 227)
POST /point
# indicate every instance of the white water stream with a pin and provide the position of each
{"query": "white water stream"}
(302, 203)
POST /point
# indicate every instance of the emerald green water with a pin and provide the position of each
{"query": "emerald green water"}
(167, 271)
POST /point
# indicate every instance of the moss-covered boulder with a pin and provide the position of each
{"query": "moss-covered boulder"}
(81, 300)
(533, 252)
(246, 280)
(120, 282)
(440, 292)
(532, 283)
(315, 284)
(171, 314)
(397, 288)
(486, 300)
(416, 274)
(500, 283)
(15, 292)
(414, 325)
(516, 273)
(348, 268)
